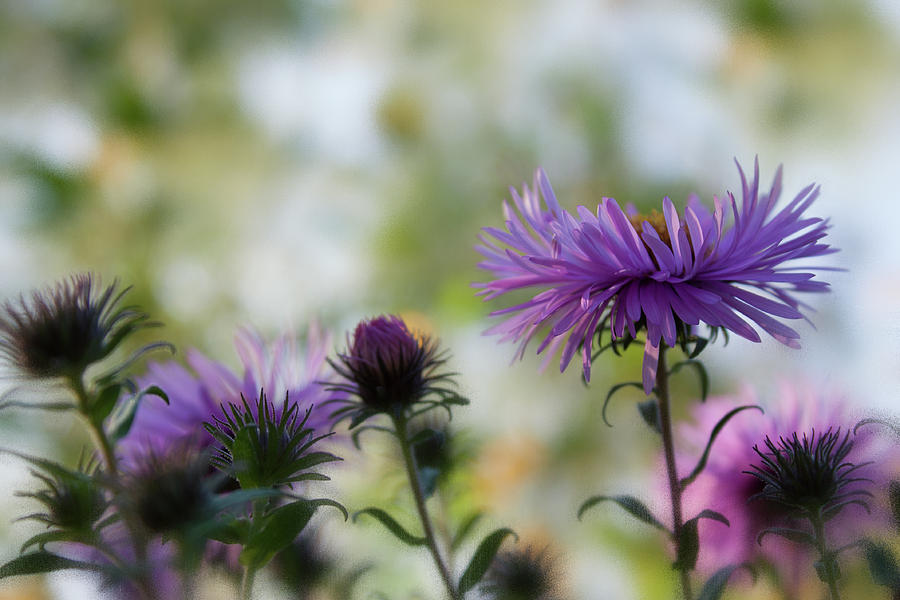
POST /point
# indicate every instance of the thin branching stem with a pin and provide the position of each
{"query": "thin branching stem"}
(103, 444)
(400, 425)
(829, 567)
(675, 489)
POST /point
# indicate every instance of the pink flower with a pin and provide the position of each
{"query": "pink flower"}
(723, 486)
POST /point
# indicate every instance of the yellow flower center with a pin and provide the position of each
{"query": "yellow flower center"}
(656, 220)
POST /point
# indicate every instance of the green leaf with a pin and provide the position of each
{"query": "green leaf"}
(465, 529)
(483, 557)
(279, 528)
(48, 406)
(631, 504)
(123, 418)
(882, 564)
(232, 531)
(223, 501)
(715, 585)
(894, 495)
(701, 464)
(699, 345)
(105, 402)
(41, 562)
(795, 535)
(388, 521)
(649, 410)
(701, 373)
(635, 384)
(46, 537)
(688, 547)
(688, 542)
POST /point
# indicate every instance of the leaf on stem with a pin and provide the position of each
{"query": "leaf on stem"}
(393, 526)
(41, 562)
(483, 557)
(715, 585)
(795, 535)
(701, 374)
(635, 508)
(688, 542)
(882, 564)
(701, 464)
(612, 391)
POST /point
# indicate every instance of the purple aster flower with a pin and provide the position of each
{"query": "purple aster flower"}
(197, 394)
(389, 369)
(723, 485)
(663, 272)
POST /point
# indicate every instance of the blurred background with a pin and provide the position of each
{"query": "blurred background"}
(275, 162)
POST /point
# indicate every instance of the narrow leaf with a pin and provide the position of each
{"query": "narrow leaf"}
(483, 557)
(688, 546)
(46, 537)
(701, 464)
(715, 585)
(48, 406)
(388, 521)
(123, 418)
(612, 391)
(701, 374)
(279, 528)
(105, 402)
(688, 542)
(882, 565)
(41, 562)
(649, 411)
(795, 535)
(635, 508)
(465, 529)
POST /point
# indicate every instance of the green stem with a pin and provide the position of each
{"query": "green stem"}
(259, 506)
(675, 489)
(416, 485)
(247, 582)
(101, 441)
(829, 565)
(96, 429)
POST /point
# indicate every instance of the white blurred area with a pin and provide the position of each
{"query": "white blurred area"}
(289, 240)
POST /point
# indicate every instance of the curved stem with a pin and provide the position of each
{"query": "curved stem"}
(829, 572)
(259, 506)
(675, 489)
(247, 582)
(98, 435)
(416, 485)
(96, 430)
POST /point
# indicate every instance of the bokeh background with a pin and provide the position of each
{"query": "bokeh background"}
(280, 161)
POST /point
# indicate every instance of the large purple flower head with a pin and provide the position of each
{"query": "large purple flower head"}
(724, 486)
(197, 394)
(625, 271)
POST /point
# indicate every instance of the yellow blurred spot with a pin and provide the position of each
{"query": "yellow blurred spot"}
(25, 589)
(504, 465)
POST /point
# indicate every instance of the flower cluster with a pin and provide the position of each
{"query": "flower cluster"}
(197, 393)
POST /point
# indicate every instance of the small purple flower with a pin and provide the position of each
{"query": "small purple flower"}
(197, 395)
(723, 485)
(662, 272)
(388, 369)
